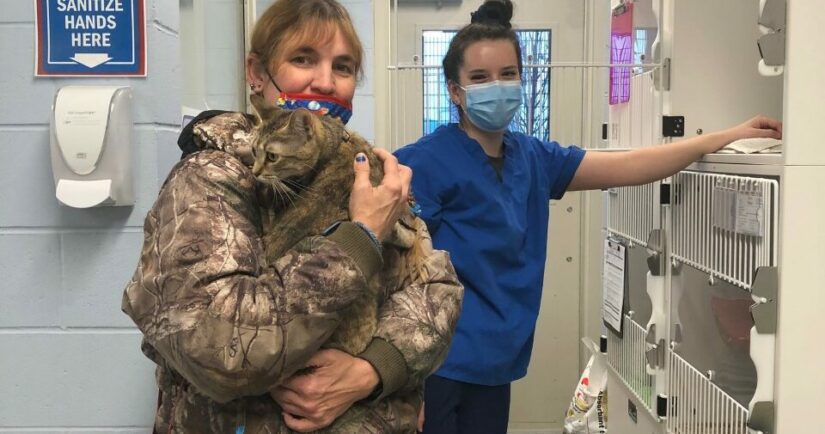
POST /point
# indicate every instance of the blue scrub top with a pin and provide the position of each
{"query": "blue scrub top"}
(496, 233)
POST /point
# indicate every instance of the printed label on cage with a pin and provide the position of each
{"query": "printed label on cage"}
(724, 208)
(613, 285)
(750, 214)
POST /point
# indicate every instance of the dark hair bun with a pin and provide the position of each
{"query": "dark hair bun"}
(496, 12)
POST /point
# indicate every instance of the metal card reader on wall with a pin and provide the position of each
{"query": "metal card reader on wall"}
(91, 141)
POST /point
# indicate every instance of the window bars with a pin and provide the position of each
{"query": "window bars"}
(534, 116)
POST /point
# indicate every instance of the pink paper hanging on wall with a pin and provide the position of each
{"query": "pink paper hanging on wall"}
(621, 52)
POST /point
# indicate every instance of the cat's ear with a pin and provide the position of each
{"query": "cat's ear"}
(262, 111)
(309, 123)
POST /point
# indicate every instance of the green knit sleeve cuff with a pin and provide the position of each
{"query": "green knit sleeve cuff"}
(390, 365)
(359, 247)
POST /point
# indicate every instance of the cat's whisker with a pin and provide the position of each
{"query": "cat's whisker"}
(284, 192)
(288, 187)
(289, 197)
(293, 193)
(297, 187)
(278, 184)
(268, 180)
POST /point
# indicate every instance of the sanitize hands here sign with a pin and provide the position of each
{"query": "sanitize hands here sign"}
(90, 38)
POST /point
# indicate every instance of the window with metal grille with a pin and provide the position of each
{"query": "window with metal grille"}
(534, 116)
(643, 46)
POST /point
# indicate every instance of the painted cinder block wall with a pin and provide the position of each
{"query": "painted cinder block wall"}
(69, 358)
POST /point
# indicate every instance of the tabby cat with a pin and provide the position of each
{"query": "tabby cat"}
(308, 160)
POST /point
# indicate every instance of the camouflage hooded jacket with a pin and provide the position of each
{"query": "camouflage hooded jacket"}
(224, 326)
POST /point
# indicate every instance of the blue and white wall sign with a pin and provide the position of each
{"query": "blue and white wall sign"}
(90, 38)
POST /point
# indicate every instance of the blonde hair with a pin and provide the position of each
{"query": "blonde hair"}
(290, 24)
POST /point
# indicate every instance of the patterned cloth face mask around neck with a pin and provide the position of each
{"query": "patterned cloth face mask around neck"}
(320, 105)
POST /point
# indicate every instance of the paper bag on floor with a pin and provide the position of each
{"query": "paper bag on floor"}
(587, 413)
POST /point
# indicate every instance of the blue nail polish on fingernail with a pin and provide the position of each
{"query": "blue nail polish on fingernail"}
(360, 158)
(416, 210)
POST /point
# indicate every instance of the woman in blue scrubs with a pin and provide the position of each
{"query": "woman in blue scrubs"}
(484, 192)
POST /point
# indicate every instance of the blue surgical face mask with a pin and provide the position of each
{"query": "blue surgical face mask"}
(492, 106)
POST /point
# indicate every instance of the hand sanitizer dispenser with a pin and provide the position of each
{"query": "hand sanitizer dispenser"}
(91, 146)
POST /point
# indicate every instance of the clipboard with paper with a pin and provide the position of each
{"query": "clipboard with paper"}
(614, 285)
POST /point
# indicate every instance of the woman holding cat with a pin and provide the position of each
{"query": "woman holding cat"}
(484, 193)
(227, 328)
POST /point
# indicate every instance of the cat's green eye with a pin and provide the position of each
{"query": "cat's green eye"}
(271, 157)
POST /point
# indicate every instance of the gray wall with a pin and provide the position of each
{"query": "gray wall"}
(70, 360)
(213, 59)
(363, 106)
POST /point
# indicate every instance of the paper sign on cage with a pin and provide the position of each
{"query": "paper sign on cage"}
(621, 52)
(614, 285)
